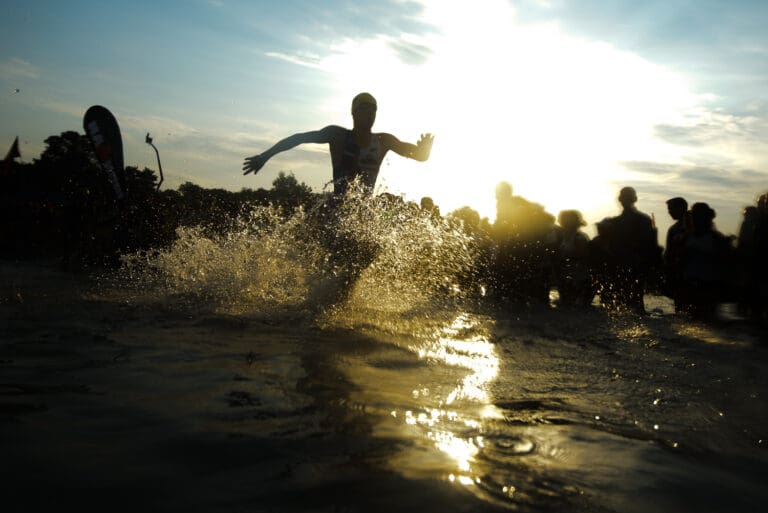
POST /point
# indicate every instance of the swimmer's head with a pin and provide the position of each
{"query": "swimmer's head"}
(363, 99)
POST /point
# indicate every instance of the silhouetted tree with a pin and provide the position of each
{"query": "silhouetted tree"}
(288, 193)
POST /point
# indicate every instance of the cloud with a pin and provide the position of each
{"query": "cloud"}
(681, 176)
(18, 68)
(72, 109)
(410, 52)
(655, 169)
(404, 48)
(157, 125)
(328, 34)
(300, 59)
(714, 176)
(386, 17)
(712, 127)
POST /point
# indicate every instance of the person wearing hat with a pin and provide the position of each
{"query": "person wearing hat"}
(355, 153)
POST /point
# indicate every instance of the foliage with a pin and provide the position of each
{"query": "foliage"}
(62, 206)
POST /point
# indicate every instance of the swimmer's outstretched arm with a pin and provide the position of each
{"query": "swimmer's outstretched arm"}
(419, 151)
(324, 135)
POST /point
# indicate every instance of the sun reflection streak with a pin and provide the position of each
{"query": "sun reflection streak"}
(461, 344)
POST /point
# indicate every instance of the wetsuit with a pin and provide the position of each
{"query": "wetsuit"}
(357, 161)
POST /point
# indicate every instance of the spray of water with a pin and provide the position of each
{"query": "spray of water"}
(365, 253)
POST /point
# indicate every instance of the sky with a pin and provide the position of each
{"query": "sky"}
(566, 100)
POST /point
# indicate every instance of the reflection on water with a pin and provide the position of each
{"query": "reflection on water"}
(464, 343)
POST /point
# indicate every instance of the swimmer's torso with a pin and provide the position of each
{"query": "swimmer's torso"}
(351, 160)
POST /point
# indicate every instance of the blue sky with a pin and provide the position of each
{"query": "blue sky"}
(567, 100)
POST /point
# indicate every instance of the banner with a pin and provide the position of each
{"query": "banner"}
(104, 133)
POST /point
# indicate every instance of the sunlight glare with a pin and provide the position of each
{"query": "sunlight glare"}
(552, 114)
(477, 354)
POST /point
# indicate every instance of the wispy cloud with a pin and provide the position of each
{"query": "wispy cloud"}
(157, 125)
(73, 109)
(713, 127)
(18, 68)
(655, 169)
(410, 52)
(300, 59)
(405, 49)
(717, 178)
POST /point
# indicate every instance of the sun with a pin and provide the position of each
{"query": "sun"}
(552, 114)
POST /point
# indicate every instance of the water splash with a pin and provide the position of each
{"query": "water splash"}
(366, 253)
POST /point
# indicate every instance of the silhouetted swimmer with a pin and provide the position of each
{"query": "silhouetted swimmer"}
(572, 268)
(354, 153)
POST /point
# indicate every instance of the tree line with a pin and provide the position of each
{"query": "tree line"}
(61, 206)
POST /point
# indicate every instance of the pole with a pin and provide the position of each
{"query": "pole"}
(148, 140)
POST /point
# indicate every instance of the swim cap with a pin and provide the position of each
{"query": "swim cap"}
(361, 99)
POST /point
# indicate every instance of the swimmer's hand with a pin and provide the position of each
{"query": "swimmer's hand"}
(424, 146)
(254, 164)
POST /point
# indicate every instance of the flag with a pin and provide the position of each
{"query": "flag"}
(13, 153)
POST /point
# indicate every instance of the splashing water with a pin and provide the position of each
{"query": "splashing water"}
(384, 253)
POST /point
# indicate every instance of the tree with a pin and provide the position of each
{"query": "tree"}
(287, 192)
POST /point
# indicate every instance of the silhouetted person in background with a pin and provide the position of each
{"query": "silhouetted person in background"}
(522, 233)
(752, 253)
(677, 207)
(706, 264)
(673, 251)
(354, 153)
(634, 244)
(746, 256)
(506, 211)
(572, 269)
(761, 251)
(468, 220)
(503, 233)
(428, 205)
(602, 262)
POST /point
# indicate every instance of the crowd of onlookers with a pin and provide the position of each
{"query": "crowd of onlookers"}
(529, 252)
